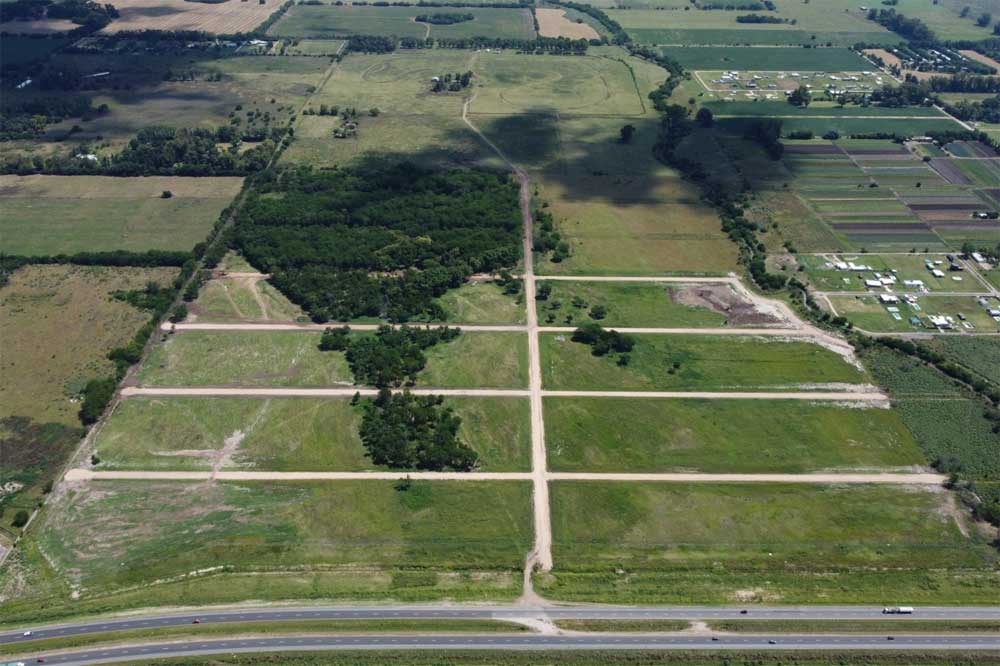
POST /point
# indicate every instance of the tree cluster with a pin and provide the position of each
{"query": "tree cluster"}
(443, 18)
(391, 356)
(371, 44)
(381, 240)
(767, 133)
(452, 82)
(603, 341)
(540, 45)
(546, 238)
(406, 431)
(760, 18)
(28, 118)
(91, 16)
(985, 111)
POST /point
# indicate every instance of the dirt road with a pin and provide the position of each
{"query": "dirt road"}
(496, 328)
(923, 479)
(862, 394)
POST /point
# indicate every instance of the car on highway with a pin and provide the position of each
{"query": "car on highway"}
(897, 610)
(26, 634)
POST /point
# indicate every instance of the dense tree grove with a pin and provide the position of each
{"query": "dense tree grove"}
(767, 133)
(90, 16)
(406, 431)
(27, 119)
(379, 241)
(444, 18)
(912, 29)
(986, 111)
(371, 44)
(392, 355)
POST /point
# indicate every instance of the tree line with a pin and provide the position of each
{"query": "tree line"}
(379, 240)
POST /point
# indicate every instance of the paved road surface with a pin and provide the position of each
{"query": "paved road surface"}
(494, 612)
(521, 642)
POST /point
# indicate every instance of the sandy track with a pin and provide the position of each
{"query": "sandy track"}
(863, 394)
(80, 474)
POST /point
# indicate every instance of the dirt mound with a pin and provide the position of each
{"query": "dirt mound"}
(722, 298)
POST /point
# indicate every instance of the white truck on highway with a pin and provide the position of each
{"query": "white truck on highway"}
(897, 610)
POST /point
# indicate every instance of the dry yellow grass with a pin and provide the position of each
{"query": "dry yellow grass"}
(57, 324)
(225, 18)
(553, 23)
(986, 60)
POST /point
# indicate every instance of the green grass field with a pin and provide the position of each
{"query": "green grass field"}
(47, 215)
(732, 543)
(292, 358)
(512, 83)
(627, 304)
(242, 300)
(981, 355)
(646, 435)
(328, 21)
(482, 303)
(692, 362)
(425, 540)
(286, 435)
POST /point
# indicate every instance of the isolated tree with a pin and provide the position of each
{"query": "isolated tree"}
(626, 133)
(20, 518)
(166, 194)
(704, 117)
(800, 97)
(984, 20)
(598, 312)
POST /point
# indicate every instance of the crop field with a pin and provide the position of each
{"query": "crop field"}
(222, 18)
(47, 215)
(374, 538)
(732, 543)
(982, 355)
(732, 436)
(699, 58)
(329, 21)
(691, 362)
(293, 359)
(287, 434)
(557, 23)
(946, 420)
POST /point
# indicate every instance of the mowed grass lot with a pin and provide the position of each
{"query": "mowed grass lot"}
(46, 215)
(287, 434)
(365, 538)
(627, 304)
(293, 359)
(329, 21)
(733, 543)
(242, 300)
(730, 436)
(57, 324)
(636, 226)
(694, 362)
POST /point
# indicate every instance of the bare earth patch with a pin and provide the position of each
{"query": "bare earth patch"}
(553, 23)
(224, 18)
(725, 300)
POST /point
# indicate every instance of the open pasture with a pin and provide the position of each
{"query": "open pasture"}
(731, 543)
(226, 18)
(512, 83)
(287, 434)
(244, 299)
(631, 304)
(293, 359)
(330, 21)
(726, 436)
(693, 362)
(351, 539)
(137, 94)
(46, 215)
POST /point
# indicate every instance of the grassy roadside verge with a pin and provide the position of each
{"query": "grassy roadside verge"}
(574, 658)
(230, 629)
(623, 625)
(859, 626)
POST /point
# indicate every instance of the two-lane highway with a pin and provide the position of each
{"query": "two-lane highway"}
(488, 612)
(98, 655)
